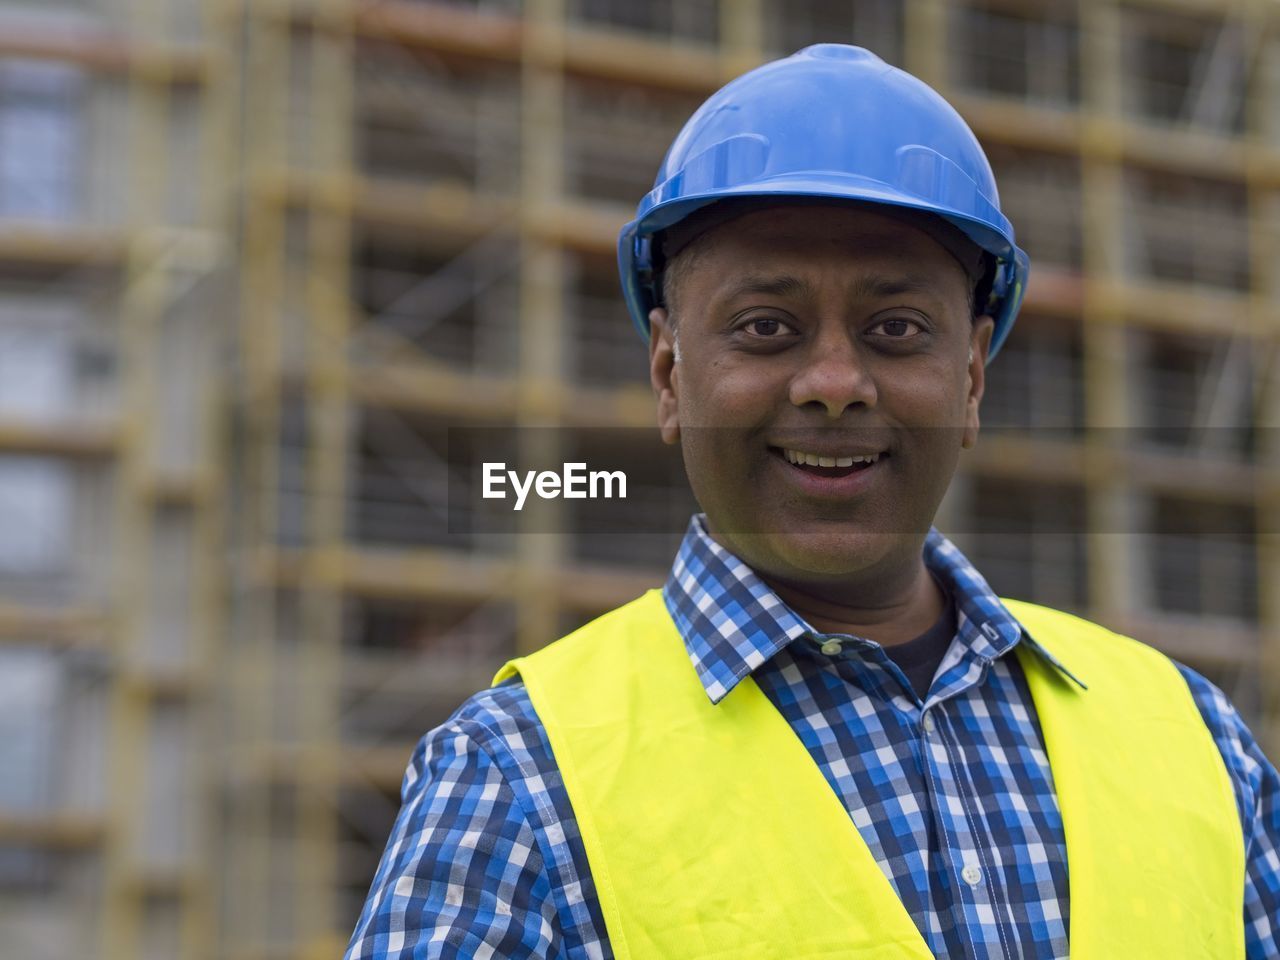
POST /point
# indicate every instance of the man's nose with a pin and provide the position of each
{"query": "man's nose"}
(835, 376)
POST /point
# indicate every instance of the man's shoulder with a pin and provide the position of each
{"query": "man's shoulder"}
(495, 717)
(1246, 764)
(493, 741)
(500, 724)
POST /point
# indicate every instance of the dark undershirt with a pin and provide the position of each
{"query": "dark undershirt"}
(919, 658)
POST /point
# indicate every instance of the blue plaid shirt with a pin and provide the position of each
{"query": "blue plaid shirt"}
(485, 859)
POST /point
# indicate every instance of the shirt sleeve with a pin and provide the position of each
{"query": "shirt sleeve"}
(462, 876)
(1257, 790)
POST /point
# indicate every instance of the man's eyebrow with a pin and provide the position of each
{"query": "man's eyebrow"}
(875, 287)
(783, 285)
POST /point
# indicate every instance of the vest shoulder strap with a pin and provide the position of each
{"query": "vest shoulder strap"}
(1154, 845)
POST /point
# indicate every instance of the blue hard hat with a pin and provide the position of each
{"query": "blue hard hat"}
(832, 121)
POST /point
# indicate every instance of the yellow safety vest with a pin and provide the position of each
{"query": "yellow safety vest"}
(662, 783)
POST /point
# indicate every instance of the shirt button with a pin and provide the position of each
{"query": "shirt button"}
(831, 647)
(928, 723)
(971, 875)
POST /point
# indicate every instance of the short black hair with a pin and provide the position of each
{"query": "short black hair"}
(673, 274)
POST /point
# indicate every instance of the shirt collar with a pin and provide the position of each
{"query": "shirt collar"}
(732, 622)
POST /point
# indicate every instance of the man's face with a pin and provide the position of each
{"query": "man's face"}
(827, 331)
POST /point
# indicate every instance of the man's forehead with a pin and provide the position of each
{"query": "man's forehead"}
(795, 253)
(869, 284)
(907, 277)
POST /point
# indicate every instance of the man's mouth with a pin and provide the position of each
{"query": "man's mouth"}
(828, 464)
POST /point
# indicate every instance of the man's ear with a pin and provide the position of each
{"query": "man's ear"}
(664, 373)
(979, 346)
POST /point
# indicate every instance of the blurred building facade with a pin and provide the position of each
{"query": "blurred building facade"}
(255, 259)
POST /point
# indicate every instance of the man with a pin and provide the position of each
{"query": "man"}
(826, 737)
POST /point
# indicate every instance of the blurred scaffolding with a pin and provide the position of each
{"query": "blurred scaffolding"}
(256, 258)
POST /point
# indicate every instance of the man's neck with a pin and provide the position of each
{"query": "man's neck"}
(892, 618)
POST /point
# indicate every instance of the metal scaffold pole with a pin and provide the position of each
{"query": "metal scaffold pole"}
(202, 933)
(142, 313)
(539, 549)
(1264, 247)
(327, 290)
(252, 924)
(1105, 364)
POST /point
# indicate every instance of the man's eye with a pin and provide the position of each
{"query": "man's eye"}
(765, 326)
(898, 327)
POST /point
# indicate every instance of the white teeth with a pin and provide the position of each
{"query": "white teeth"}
(815, 460)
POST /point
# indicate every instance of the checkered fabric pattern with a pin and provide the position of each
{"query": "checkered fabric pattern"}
(953, 794)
